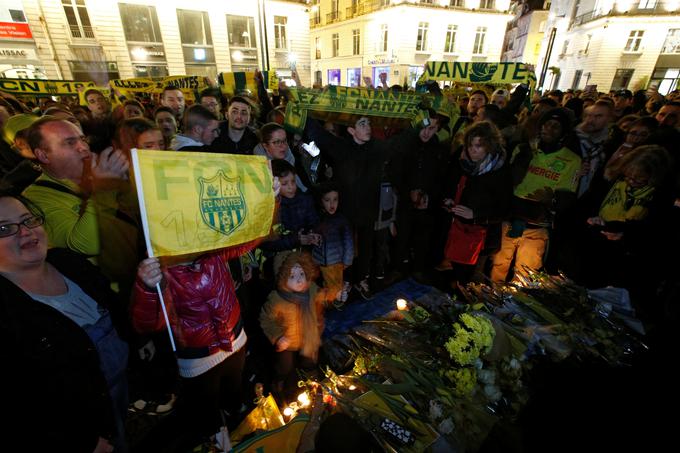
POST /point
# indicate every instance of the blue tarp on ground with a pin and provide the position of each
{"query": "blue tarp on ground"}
(354, 313)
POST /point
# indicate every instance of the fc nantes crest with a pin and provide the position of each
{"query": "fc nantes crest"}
(223, 206)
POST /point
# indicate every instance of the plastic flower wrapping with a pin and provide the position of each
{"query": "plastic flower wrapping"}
(447, 370)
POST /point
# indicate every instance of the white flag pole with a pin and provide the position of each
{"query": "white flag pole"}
(147, 238)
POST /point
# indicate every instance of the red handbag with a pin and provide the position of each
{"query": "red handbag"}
(465, 240)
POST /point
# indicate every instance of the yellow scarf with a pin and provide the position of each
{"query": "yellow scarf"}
(626, 203)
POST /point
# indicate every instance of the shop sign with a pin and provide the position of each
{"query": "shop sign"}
(15, 30)
(18, 53)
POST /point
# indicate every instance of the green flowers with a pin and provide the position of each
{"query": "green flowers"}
(473, 337)
(464, 380)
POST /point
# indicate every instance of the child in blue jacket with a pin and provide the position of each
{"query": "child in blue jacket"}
(335, 251)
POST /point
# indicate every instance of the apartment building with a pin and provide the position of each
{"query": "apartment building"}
(355, 39)
(99, 40)
(612, 44)
(525, 31)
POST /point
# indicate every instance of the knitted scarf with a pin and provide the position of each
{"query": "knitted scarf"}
(311, 337)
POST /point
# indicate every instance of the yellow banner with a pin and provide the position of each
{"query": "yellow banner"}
(283, 439)
(43, 87)
(492, 73)
(193, 202)
(232, 83)
(187, 84)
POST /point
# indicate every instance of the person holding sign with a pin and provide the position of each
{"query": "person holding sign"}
(206, 322)
(359, 168)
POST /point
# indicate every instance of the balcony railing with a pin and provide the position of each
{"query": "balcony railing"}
(82, 32)
(333, 17)
(655, 9)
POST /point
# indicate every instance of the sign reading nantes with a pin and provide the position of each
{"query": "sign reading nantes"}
(492, 73)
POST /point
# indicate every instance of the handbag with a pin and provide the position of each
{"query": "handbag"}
(465, 240)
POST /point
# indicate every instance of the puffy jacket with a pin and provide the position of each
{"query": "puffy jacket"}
(295, 214)
(280, 317)
(337, 245)
(200, 298)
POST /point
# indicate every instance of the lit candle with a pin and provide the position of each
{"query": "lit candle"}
(288, 411)
(352, 387)
(402, 304)
(303, 399)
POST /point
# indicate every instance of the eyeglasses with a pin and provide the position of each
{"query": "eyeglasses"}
(10, 229)
(278, 142)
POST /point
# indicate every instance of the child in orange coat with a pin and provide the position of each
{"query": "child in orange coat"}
(292, 317)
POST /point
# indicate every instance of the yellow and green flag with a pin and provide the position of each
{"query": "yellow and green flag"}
(232, 83)
(345, 105)
(193, 202)
(501, 73)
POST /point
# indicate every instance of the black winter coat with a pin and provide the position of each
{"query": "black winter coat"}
(488, 195)
(53, 387)
(358, 169)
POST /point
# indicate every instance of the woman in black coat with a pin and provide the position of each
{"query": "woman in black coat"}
(479, 192)
(64, 365)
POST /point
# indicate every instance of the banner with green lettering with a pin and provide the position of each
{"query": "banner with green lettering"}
(345, 105)
(492, 73)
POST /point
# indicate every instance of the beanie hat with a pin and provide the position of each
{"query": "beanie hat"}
(16, 124)
(561, 115)
(501, 92)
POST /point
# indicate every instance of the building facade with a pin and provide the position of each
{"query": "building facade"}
(612, 44)
(525, 31)
(98, 40)
(18, 53)
(356, 39)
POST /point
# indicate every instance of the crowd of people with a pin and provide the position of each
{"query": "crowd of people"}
(578, 182)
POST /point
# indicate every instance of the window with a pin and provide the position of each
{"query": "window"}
(577, 79)
(478, 47)
(334, 77)
(383, 38)
(356, 41)
(421, 43)
(317, 47)
(197, 45)
(377, 70)
(667, 79)
(457, 3)
(242, 42)
(354, 77)
(487, 4)
(78, 20)
(646, 4)
(634, 40)
(140, 23)
(588, 39)
(241, 31)
(280, 23)
(336, 44)
(414, 73)
(672, 43)
(17, 15)
(622, 79)
(450, 44)
(317, 79)
(565, 47)
(194, 27)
